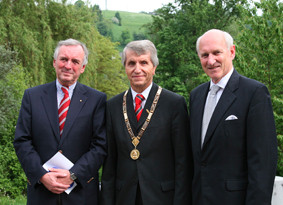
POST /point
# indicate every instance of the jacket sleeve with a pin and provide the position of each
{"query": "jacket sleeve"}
(261, 148)
(27, 155)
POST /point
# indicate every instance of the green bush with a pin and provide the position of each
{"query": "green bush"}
(13, 82)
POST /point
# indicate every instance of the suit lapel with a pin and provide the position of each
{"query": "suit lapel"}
(199, 105)
(49, 101)
(131, 112)
(227, 98)
(78, 100)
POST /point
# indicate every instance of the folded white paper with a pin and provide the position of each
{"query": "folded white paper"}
(59, 161)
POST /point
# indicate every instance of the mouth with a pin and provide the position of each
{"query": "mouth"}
(213, 67)
(66, 72)
(138, 76)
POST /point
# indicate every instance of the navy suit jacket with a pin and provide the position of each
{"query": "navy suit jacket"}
(164, 169)
(83, 141)
(237, 163)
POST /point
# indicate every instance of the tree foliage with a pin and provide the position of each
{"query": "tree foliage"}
(117, 15)
(125, 37)
(13, 81)
(139, 36)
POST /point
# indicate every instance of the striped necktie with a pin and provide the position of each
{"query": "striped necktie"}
(138, 109)
(63, 109)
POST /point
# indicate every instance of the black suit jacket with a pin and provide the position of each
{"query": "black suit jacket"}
(83, 141)
(164, 169)
(237, 163)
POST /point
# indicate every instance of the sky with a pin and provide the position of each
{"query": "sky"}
(129, 5)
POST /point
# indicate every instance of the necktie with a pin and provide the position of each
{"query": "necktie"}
(63, 109)
(138, 109)
(208, 110)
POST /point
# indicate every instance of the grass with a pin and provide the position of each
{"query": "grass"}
(21, 200)
(133, 22)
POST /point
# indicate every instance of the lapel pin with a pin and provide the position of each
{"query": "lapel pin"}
(81, 100)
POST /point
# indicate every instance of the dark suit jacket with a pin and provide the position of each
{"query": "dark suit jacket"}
(83, 141)
(164, 169)
(237, 163)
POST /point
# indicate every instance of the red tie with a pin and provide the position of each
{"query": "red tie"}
(63, 109)
(138, 110)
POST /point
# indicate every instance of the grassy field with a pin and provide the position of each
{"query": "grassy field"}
(133, 22)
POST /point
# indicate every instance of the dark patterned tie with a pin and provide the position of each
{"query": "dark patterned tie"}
(138, 109)
(63, 109)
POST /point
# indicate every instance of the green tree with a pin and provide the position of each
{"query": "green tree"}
(111, 74)
(104, 29)
(139, 36)
(117, 15)
(96, 9)
(80, 3)
(125, 37)
(260, 56)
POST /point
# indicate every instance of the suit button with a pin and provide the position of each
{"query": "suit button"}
(60, 151)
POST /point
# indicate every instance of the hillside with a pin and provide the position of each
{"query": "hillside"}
(133, 22)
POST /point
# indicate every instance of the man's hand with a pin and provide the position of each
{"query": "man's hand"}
(64, 180)
(52, 181)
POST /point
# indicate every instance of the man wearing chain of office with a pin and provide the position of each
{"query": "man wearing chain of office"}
(149, 151)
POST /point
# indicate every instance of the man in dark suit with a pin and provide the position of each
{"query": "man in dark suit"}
(80, 111)
(149, 159)
(234, 151)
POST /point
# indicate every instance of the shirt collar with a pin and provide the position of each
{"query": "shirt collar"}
(223, 82)
(70, 90)
(145, 93)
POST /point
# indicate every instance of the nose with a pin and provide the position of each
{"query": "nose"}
(137, 68)
(68, 64)
(210, 60)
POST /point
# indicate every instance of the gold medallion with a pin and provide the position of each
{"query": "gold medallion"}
(135, 154)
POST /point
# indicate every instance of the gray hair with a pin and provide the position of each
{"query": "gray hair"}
(228, 38)
(71, 42)
(141, 47)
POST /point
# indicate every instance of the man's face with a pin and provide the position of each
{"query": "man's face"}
(69, 64)
(139, 70)
(216, 59)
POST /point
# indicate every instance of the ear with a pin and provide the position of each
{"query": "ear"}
(54, 63)
(83, 69)
(154, 68)
(233, 51)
